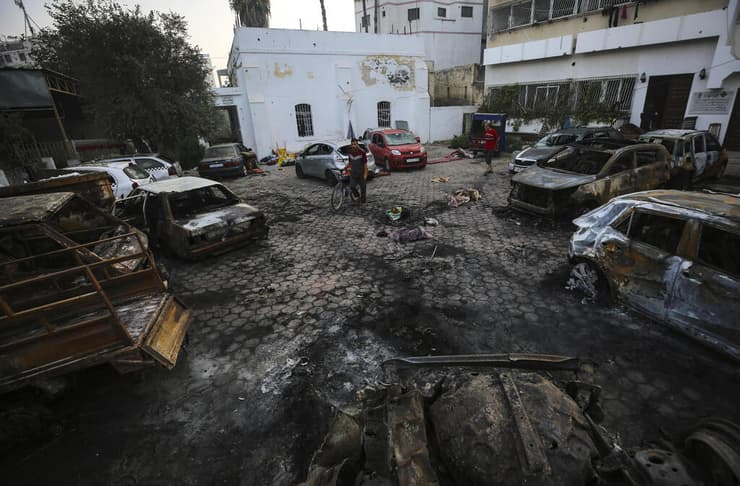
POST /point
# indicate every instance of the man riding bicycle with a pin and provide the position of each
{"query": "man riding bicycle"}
(357, 168)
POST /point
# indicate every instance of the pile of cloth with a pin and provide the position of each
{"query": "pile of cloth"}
(462, 196)
(405, 235)
(440, 179)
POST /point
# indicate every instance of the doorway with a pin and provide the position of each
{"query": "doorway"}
(665, 102)
(732, 136)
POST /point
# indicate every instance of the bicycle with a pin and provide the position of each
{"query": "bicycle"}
(341, 190)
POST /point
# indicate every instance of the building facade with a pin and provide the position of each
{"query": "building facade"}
(452, 31)
(289, 88)
(663, 64)
(15, 52)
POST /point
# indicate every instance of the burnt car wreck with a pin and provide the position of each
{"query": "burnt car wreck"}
(79, 288)
(193, 217)
(581, 177)
(673, 256)
(447, 426)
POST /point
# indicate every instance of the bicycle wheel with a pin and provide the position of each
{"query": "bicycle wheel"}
(337, 196)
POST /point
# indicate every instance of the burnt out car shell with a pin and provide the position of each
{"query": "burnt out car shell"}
(673, 256)
(196, 232)
(550, 191)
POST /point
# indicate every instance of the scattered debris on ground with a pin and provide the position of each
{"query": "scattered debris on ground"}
(405, 235)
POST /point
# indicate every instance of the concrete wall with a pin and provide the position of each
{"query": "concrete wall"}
(591, 21)
(341, 75)
(448, 41)
(457, 86)
(446, 122)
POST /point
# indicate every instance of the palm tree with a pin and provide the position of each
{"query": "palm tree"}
(252, 13)
(323, 13)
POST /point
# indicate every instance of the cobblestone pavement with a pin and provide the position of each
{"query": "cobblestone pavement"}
(288, 329)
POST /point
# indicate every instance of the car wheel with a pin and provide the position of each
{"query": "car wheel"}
(588, 279)
(330, 177)
(299, 171)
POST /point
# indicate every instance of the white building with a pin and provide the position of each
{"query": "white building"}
(666, 63)
(289, 88)
(452, 31)
(15, 52)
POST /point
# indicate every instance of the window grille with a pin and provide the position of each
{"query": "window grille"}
(384, 114)
(414, 14)
(466, 12)
(303, 120)
(441, 12)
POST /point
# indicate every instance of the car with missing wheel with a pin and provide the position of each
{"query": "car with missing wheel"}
(696, 151)
(582, 177)
(227, 160)
(325, 159)
(672, 255)
(554, 142)
(193, 217)
(397, 149)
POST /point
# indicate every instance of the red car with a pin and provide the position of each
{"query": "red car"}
(397, 149)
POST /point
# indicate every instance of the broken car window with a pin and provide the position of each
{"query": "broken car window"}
(720, 249)
(623, 163)
(646, 157)
(699, 144)
(135, 172)
(147, 163)
(713, 144)
(659, 231)
(187, 204)
(578, 160)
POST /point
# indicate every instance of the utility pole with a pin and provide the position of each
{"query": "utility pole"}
(375, 20)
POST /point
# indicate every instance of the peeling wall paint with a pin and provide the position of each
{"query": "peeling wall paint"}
(284, 73)
(397, 71)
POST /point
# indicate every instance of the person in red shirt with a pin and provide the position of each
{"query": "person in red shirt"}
(357, 169)
(491, 144)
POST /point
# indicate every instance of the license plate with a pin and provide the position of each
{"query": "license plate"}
(212, 166)
(411, 161)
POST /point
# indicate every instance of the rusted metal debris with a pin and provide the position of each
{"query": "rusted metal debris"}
(509, 360)
(78, 288)
(96, 188)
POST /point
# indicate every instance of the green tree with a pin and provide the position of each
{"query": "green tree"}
(251, 13)
(139, 77)
(12, 135)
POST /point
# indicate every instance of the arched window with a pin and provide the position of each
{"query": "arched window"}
(384, 114)
(303, 120)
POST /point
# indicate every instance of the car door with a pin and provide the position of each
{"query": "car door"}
(619, 176)
(377, 146)
(311, 160)
(705, 294)
(327, 158)
(641, 258)
(699, 154)
(651, 168)
(714, 152)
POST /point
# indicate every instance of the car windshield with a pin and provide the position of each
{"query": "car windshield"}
(555, 139)
(669, 144)
(135, 172)
(213, 152)
(401, 138)
(187, 204)
(578, 160)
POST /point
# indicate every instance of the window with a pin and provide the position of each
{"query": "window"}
(313, 149)
(441, 12)
(378, 140)
(365, 21)
(220, 151)
(563, 8)
(466, 12)
(659, 231)
(303, 120)
(147, 163)
(623, 163)
(135, 172)
(8, 58)
(713, 144)
(383, 13)
(384, 114)
(720, 249)
(21, 56)
(646, 157)
(414, 14)
(699, 144)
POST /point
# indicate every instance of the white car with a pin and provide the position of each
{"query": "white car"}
(157, 165)
(124, 177)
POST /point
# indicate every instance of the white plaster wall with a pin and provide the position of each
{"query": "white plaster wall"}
(446, 122)
(449, 42)
(280, 69)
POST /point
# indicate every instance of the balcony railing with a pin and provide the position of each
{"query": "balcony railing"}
(529, 12)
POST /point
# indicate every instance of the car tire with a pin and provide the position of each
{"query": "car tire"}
(330, 178)
(422, 167)
(299, 172)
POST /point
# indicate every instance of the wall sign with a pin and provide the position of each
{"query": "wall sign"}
(711, 102)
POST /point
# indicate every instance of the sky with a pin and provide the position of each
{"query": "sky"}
(210, 22)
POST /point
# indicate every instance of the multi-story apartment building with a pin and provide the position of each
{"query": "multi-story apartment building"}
(452, 30)
(663, 63)
(15, 52)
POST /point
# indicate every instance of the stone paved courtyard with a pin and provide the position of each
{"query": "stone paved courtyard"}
(289, 328)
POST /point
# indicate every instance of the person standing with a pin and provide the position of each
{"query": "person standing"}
(491, 142)
(357, 169)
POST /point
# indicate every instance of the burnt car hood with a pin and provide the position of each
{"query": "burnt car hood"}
(219, 218)
(539, 154)
(551, 179)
